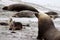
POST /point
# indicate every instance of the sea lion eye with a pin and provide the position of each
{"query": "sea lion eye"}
(51, 16)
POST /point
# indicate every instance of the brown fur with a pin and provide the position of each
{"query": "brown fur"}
(15, 26)
(52, 14)
(19, 7)
(46, 28)
(25, 13)
(3, 23)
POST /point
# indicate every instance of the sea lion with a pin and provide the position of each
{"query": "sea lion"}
(46, 28)
(15, 26)
(3, 23)
(19, 7)
(52, 14)
(25, 13)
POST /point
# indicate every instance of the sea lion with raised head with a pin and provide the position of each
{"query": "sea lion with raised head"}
(46, 28)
